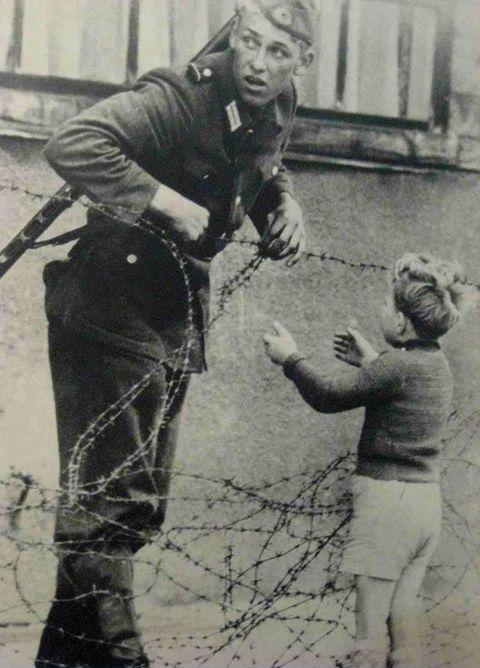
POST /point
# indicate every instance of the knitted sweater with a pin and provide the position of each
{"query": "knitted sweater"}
(406, 393)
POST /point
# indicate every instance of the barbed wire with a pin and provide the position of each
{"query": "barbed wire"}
(294, 526)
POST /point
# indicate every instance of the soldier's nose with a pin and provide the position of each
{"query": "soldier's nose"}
(258, 68)
(258, 64)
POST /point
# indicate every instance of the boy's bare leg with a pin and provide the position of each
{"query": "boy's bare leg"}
(372, 609)
(404, 623)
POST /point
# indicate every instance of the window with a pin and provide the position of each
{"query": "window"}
(381, 59)
(59, 56)
(385, 62)
(108, 40)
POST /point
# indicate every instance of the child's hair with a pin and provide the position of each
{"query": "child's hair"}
(430, 292)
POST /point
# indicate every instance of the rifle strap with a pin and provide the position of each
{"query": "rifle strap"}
(64, 238)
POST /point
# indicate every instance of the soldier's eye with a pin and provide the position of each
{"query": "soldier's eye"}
(279, 53)
(249, 41)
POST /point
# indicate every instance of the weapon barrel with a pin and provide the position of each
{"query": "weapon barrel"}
(41, 221)
(65, 197)
(219, 41)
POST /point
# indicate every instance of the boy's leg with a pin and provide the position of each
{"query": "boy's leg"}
(374, 596)
(404, 623)
(371, 612)
(370, 555)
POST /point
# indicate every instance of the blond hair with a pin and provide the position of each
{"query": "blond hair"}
(430, 292)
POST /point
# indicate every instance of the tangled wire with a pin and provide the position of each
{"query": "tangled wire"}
(260, 547)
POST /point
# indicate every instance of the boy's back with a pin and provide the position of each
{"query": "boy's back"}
(401, 435)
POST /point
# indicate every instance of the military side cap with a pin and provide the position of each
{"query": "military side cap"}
(296, 17)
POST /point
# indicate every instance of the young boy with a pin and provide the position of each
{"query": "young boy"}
(396, 499)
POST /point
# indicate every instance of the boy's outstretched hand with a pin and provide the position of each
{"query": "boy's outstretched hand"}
(351, 347)
(281, 345)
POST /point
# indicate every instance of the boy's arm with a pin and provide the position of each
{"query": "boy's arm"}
(353, 348)
(378, 381)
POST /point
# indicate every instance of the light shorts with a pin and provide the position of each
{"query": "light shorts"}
(394, 524)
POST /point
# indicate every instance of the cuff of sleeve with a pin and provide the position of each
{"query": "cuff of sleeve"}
(291, 362)
(131, 197)
(282, 183)
(284, 188)
(287, 192)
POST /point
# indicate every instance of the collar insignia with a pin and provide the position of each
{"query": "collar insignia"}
(194, 72)
(233, 116)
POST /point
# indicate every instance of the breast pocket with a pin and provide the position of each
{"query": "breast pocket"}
(197, 176)
(204, 180)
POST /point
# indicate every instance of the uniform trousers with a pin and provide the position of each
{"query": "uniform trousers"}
(114, 482)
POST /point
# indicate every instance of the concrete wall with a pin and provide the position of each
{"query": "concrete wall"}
(465, 100)
(243, 419)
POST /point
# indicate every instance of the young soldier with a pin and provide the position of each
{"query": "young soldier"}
(196, 151)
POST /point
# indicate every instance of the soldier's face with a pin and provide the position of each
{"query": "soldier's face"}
(265, 58)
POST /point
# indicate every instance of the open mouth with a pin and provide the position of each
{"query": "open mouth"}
(254, 82)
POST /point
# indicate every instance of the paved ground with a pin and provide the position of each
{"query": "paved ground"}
(187, 636)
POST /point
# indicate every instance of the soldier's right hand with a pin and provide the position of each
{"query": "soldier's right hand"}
(186, 220)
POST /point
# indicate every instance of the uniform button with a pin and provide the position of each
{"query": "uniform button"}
(207, 72)
(275, 171)
(131, 259)
(250, 131)
(238, 200)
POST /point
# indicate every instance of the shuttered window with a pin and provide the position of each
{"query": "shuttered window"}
(381, 58)
(375, 59)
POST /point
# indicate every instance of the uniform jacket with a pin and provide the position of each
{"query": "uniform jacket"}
(189, 131)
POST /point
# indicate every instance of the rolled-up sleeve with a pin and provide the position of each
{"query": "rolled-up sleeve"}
(101, 150)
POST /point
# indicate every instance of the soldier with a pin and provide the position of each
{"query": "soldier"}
(195, 151)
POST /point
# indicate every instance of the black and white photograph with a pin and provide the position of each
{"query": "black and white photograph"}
(239, 333)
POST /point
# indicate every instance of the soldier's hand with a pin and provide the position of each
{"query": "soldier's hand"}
(187, 220)
(285, 234)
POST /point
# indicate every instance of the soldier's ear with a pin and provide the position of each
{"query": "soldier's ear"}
(401, 323)
(304, 62)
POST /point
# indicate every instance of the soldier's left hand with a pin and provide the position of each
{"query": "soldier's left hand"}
(285, 234)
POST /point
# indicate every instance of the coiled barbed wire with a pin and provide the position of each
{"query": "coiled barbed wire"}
(293, 523)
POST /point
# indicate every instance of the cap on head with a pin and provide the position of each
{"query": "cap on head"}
(296, 17)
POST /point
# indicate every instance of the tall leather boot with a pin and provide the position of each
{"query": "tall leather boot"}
(106, 581)
(69, 634)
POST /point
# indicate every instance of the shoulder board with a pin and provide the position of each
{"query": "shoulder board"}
(199, 73)
(162, 75)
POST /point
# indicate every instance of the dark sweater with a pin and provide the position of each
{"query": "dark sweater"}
(406, 393)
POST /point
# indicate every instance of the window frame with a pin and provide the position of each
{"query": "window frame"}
(441, 77)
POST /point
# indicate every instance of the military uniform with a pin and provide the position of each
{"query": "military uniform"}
(189, 132)
(118, 306)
